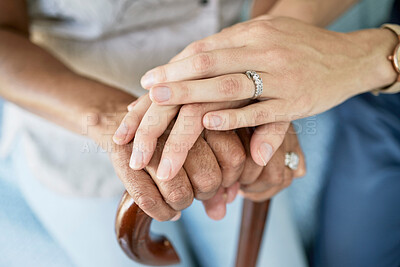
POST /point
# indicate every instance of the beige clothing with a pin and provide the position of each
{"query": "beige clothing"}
(116, 42)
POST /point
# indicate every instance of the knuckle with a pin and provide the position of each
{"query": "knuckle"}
(198, 47)
(146, 202)
(142, 131)
(259, 27)
(260, 115)
(203, 63)
(179, 196)
(131, 119)
(184, 90)
(278, 178)
(191, 109)
(206, 183)
(237, 159)
(229, 86)
(161, 74)
(234, 120)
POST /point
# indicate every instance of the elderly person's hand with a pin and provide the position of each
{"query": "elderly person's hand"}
(163, 200)
(209, 172)
(305, 70)
(146, 122)
(228, 151)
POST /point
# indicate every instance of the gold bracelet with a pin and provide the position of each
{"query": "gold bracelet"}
(395, 59)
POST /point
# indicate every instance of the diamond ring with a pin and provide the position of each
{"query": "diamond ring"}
(292, 160)
(258, 82)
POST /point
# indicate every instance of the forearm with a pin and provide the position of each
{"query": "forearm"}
(35, 80)
(317, 12)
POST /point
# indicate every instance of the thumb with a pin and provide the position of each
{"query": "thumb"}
(266, 139)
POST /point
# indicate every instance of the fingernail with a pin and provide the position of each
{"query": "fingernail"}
(265, 153)
(120, 133)
(136, 159)
(160, 94)
(164, 169)
(177, 217)
(147, 80)
(213, 121)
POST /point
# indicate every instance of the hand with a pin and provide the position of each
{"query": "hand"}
(146, 122)
(162, 200)
(306, 70)
(262, 183)
(226, 146)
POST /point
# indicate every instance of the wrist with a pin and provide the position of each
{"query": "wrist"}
(377, 70)
(101, 110)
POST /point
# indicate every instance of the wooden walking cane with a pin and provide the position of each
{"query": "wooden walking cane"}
(133, 233)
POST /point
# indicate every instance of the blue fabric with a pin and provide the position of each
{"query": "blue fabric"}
(360, 208)
(360, 211)
(23, 240)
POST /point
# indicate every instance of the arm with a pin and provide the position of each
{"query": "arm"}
(309, 72)
(35, 80)
(317, 12)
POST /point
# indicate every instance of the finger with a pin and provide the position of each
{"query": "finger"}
(232, 192)
(202, 168)
(219, 89)
(251, 170)
(152, 126)
(266, 139)
(178, 193)
(216, 206)
(293, 145)
(222, 40)
(187, 128)
(230, 154)
(130, 123)
(204, 65)
(141, 187)
(270, 191)
(252, 115)
(275, 174)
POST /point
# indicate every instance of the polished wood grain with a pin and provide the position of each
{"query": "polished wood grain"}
(254, 216)
(136, 240)
(132, 227)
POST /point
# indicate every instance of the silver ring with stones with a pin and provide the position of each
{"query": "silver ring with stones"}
(292, 160)
(258, 82)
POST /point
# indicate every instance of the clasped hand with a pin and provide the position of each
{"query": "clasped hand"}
(187, 161)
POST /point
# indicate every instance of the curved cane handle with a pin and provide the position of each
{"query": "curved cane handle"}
(132, 227)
